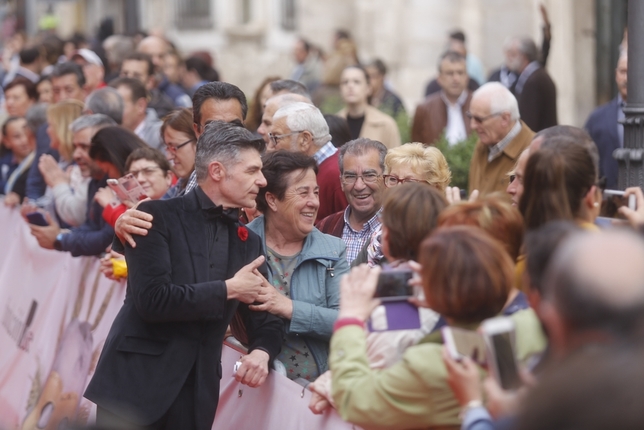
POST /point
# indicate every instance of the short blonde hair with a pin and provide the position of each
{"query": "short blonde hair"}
(60, 116)
(428, 161)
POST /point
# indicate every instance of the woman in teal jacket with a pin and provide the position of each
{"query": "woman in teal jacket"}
(304, 264)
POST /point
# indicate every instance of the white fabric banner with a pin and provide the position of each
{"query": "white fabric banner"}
(55, 313)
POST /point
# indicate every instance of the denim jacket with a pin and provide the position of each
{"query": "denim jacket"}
(315, 289)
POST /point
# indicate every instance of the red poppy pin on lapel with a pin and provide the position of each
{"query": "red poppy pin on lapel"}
(242, 232)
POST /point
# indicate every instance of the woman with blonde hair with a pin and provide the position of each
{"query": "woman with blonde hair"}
(66, 187)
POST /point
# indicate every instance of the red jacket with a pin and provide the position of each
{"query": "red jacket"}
(332, 197)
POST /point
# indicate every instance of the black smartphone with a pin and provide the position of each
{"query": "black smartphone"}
(37, 218)
(394, 284)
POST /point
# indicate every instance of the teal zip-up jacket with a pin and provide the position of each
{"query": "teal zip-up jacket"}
(315, 289)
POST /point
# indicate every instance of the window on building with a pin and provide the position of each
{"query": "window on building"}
(193, 14)
(288, 15)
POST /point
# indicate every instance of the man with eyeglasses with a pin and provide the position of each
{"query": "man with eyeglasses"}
(301, 127)
(362, 163)
(494, 115)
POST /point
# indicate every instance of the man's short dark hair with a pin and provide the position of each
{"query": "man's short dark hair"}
(29, 55)
(136, 87)
(218, 91)
(290, 86)
(69, 68)
(140, 56)
(277, 166)
(202, 68)
(222, 141)
(379, 65)
(457, 35)
(452, 57)
(106, 101)
(359, 147)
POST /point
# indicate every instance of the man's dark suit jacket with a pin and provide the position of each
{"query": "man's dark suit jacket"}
(602, 127)
(538, 101)
(174, 317)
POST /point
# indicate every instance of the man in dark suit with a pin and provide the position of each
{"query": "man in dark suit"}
(160, 366)
(604, 128)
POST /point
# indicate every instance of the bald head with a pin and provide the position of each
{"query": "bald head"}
(596, 281)
(272, 105)
(156, 48)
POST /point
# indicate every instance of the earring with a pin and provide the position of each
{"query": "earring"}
(596, 204)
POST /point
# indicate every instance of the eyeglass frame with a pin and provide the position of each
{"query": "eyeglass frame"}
(479, 119)
(399, 181)
(377, 176)
(174, 149)
(276, 137)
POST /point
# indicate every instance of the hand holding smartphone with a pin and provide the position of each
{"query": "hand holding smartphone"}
(127, 189)
(37, 218)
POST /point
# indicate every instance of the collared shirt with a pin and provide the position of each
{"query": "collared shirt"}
(497, 149)
(455, 130)
(192, 182)
(356, 240)
(325, 152)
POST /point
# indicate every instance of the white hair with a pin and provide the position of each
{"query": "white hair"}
(305, 117)
(500, 99)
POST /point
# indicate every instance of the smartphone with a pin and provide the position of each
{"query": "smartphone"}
(501, 358)
(612, 200)
(37, 218)
(394, 284)
(127, 188)
(462, 343)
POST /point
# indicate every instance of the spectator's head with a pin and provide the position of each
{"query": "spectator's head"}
(59, 117)
(117, 48)
(197, 71)
(519, 52)
(228, 164)
(45, 90)
(139, 66)
(299, 127)
(515, 187)
(15, 137)
(218, 101)
(20, 94)
(256, 110)
(173, 67)
(559, 184)
(157, 48)
(31, 59)
(150, 167)
(301, 50)
(409, 215)
(36, 117)
(621, 75)
(338, 129)
(575, 135)
(68, 82)
(83, 129)
(355, 86)
(494, 215)
(106, 101)
(414, 162)
(493, 112)
(456, 42)
(135, 101)
(466, 274)
(93, 68)
(377, 70)
(272, 105)
(290, 200)
(452, 74)
(593, 290)
(110, 148)
(362, 163)
(288, 86)
(180, 141)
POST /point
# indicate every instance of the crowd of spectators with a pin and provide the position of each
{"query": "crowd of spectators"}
(345, 198)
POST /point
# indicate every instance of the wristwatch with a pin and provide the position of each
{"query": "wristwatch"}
(58, 244)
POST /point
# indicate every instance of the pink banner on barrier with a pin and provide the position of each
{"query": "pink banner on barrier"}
(55, 313)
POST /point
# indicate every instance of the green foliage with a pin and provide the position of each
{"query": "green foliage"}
(404, 126)
(458, 158)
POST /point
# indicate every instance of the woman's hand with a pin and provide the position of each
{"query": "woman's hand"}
(356, 292)
(463, 378)
(272, 301)
(635, 217)
(453, 195)
(51, 171)
(104, 196)
(318, 404)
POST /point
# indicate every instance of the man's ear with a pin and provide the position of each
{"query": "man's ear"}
(305, 141)
(271, 201)
(217, 171)
(197, 129)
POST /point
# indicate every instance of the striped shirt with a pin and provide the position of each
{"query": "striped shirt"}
(497, 149)
(356, 240)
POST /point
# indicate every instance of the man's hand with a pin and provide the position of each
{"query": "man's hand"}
(104, 196)
(26, 208)
(272, 301)
(254, 368)
(132, 222)
(247, 282)
(46, 236)
(51, 171)
(453, 195)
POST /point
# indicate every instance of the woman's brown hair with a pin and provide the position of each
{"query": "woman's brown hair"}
(180, 120)
(410, 213)
(254, 119)
(556, 179)
(466, 274)
(494, 215)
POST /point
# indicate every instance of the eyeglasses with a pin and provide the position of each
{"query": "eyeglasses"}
(147, 171)
(174, 149)
(482, 119)
(367, 178)
(277, 137)
(392, 181)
